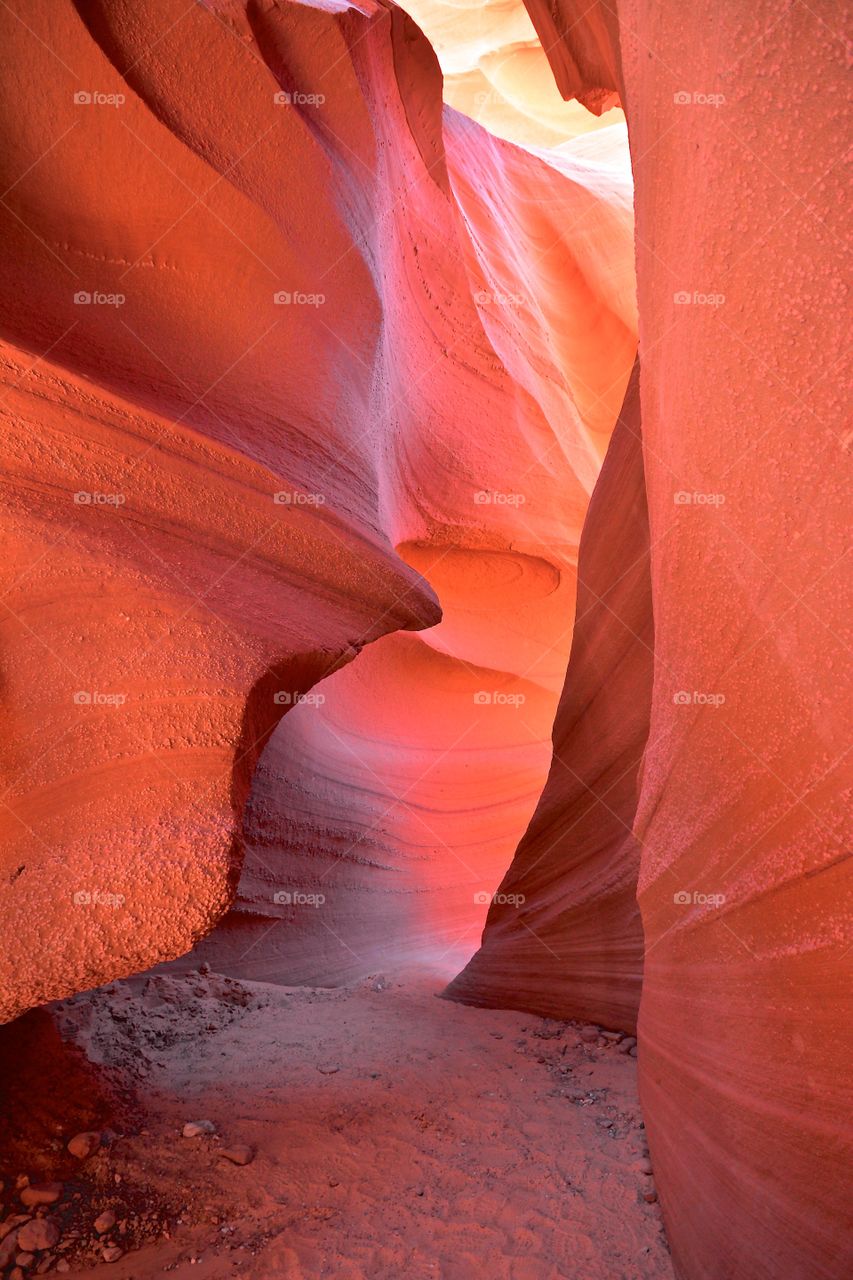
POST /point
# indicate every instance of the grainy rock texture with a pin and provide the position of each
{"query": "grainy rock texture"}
(744, 887)
(269, 366)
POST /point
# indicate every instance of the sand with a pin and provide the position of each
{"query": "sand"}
(392, 1133)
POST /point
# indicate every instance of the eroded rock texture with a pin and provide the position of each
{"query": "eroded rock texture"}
(744, 884)
(397, 794)
(564, 931)
(496, 71)
(310, 371)
(157, 595)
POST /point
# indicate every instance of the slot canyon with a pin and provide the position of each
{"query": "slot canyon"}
(425, 635)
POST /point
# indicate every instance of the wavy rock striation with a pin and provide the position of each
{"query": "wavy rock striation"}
(388, 805)
(575, 942)
(191, 523)
(743, 884)
(264, 488)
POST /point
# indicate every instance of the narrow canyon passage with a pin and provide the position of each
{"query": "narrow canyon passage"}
(390, 1134)
(424, 640)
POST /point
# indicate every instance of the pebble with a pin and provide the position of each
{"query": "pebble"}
(84, 1145)
(7, 1248)
(589, 1034)
(25, 1259)
(197, 1128)
(17, 1274)
(328, 1070)
(10, 1223)
(41, 1193)
(104, 1222)
(650, 1196)
(645, 1166)
(612, 1036)
(62, 1265)
(627, 1044)
(112, 1253)
(38, 1234)
(239, 1154)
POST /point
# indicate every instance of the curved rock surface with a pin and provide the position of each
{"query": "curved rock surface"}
(744, 884)
(575, 941)
(190, 525)
(387, 807)
(496, 71)
(244, 474)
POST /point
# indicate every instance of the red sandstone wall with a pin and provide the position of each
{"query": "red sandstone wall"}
(564, 934)
(738, 156)
(182, 600)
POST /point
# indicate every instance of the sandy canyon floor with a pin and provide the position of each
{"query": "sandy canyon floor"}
(389, 1134)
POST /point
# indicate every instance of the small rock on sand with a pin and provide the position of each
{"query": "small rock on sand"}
(589, 1034)
(41, 1193)
(329, 1069)
(38, 1234)
(111, 1253)
(84, 1145)
(197, 1128)
(104, 1222)
(7, 1248)
(239, 1154)
(627, 1044)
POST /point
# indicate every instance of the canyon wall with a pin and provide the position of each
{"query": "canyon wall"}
(563, 934)
(191, 522)
(744, 887)
(388, 804)
(271, 367)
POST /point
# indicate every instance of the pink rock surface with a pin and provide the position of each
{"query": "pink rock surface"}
(157, 595)
(744, 886)
(564, 932)
(387, 808)
(308, 296)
